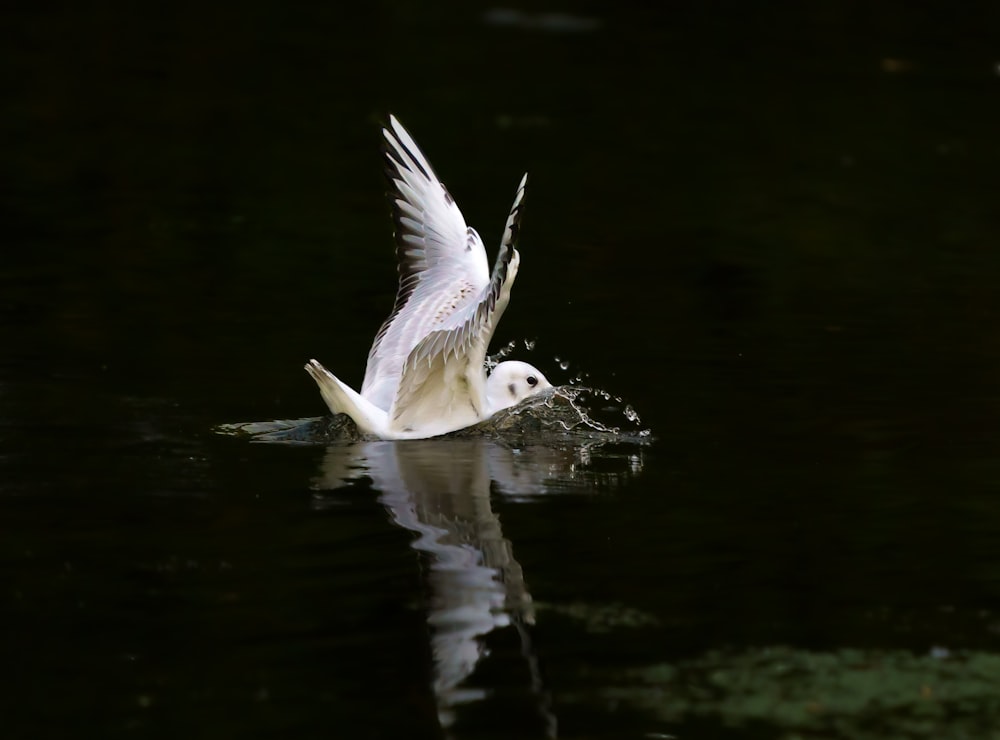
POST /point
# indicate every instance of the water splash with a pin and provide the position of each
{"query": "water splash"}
(497, 357)
(571, 409)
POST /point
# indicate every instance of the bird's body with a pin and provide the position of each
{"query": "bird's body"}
(426, 371)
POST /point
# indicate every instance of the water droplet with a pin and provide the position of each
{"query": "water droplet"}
(630, 414)
(635, 463)
(564, 365)
(529, 344)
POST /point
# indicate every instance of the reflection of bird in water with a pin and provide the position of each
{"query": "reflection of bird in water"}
(440, 490)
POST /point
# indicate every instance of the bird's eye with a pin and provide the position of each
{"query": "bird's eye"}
(532, 381)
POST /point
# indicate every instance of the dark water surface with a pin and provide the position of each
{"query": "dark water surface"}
(774, 234)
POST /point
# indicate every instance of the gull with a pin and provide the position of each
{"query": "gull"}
(426, 372)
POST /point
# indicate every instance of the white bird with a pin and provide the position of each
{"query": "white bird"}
(426, 372)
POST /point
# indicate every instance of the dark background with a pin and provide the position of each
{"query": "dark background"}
(772, 229)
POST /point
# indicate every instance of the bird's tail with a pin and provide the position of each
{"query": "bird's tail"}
(342, 399)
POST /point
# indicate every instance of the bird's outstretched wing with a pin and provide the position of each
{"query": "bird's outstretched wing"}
(442, 264)
(443, 375)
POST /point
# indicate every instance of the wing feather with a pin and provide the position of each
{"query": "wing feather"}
(442, 263)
